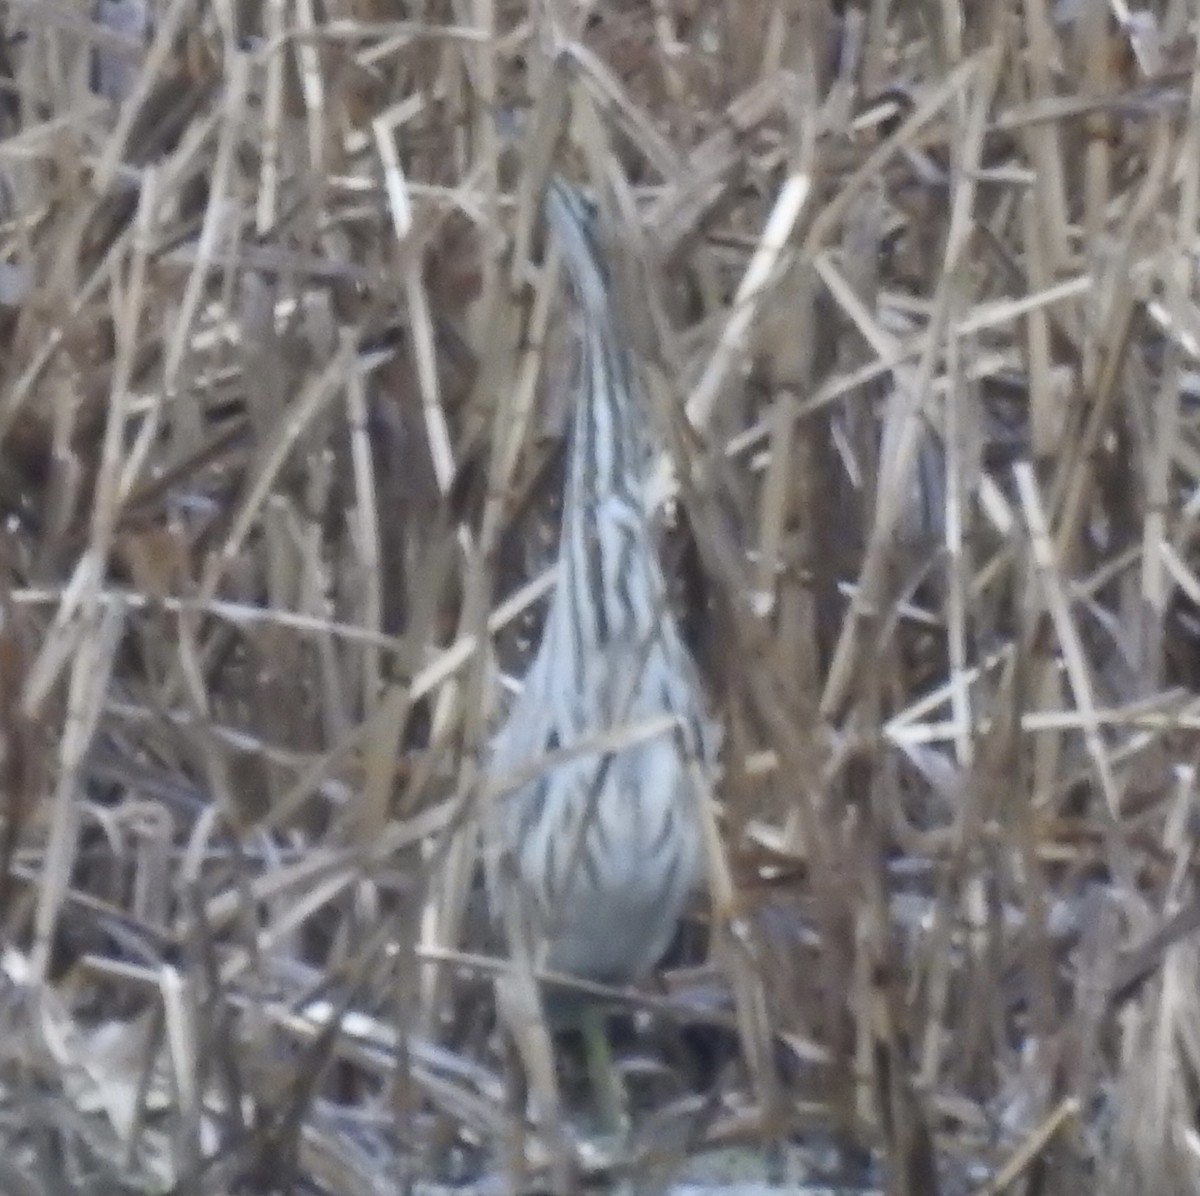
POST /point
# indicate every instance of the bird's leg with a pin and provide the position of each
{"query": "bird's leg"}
(611, 1096)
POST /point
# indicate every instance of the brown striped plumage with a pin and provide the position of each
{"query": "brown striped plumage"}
(602, 848)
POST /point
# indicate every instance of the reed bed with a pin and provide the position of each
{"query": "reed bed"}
(912, 294)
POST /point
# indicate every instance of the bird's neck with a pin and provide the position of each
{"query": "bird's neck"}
(612, 578)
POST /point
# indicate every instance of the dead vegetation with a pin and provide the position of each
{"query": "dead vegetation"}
(912, 290)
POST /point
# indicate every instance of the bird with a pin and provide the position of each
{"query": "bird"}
(600, 847)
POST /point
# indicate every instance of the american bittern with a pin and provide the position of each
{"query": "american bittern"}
(598, 853)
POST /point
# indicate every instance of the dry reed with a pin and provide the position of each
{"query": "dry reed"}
(912, 292)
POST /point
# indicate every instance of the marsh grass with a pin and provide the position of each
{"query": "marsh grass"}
(912, 292)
